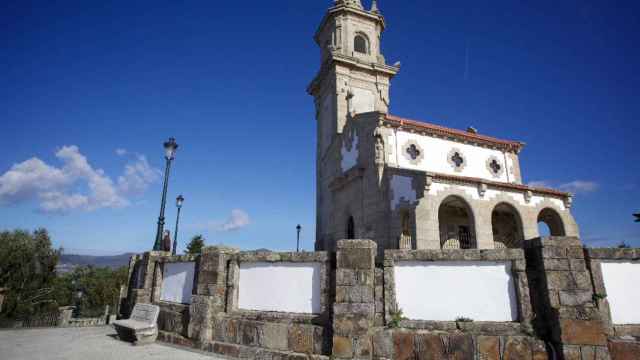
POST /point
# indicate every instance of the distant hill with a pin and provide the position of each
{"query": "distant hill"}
(114, 262)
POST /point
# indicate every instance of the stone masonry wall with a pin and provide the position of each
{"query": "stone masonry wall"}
(623, 340)
(560, 317)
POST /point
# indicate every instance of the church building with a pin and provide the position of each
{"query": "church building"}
(405, 183)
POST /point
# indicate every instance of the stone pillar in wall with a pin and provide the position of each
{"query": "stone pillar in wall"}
(64, 315)
(210, 292)
(563, 300)
(354, 307)
(3, 292)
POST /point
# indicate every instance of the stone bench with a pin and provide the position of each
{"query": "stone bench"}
(141, 327)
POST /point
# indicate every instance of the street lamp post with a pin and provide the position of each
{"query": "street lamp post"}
(179, 201)
(298, 228)
(170, 148)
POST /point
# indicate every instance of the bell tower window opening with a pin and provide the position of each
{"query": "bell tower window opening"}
(361, 44)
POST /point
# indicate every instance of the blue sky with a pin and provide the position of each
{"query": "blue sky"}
(91, 90)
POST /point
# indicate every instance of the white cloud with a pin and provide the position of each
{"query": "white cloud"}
(579, 186)
(237, 220)
(121, 152)
(53, 187)
(137, 177)
(25, 179)
(575, 187)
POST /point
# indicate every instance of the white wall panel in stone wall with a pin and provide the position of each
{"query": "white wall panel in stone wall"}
(177, 283)
(620, 281)
(436, 151)
(443, 291)
(285, 287)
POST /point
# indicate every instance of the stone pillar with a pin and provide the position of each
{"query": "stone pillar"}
(483, 227)
(354, 308)
(2, 295)
(210, 292)
(64, 315)
(427, 227)
(562, 297)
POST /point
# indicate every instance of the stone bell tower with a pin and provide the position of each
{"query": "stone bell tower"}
(353, 79)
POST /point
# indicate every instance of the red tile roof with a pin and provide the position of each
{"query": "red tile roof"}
(509, 145)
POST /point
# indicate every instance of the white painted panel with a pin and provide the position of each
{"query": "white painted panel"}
(622, 294)
(286, 287)
(436, 151)
(443, 291)
(363, 100)
(177, 284)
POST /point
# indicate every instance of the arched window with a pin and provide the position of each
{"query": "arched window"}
(507, 227)
(553, 221)
(457, 225)
(361, 44)
(351, 229)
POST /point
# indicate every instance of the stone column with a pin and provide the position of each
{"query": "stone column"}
(210, 292)
(64, 315)
(563, 300)
(2, 295)
(354, 308)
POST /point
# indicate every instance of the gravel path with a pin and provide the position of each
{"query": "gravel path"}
(89, 343)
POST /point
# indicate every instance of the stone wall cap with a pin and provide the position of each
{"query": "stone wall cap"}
(356, 243)
(290, 256)
(553, 241)
(454, 255)
(614, 253)
(220, 248)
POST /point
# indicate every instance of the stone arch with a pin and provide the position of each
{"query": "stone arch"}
(456, 222)
(553, 220)
(506, 226)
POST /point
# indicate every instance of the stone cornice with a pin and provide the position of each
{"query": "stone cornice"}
(351, 61)
(465, 180)
(348, 9)
(432, 129)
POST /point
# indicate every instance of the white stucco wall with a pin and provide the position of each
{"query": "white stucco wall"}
(285, 287)
(349, 155)
(622, 293)
(177, 283)
(443, 291)
(436, 151)
(401, 189)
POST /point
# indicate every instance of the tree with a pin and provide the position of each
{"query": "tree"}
(27, 269)
(195, 245)
(90, 289)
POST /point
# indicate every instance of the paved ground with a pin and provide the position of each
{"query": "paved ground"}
(89, 343)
